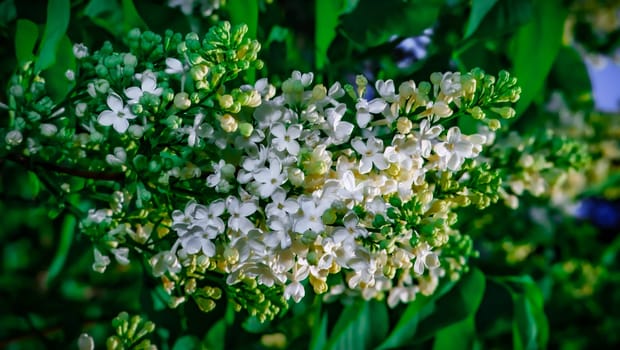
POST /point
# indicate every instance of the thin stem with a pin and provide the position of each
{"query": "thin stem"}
(87, 174)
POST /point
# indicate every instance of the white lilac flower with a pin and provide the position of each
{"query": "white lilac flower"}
(117, 116)
(279, 233)
(339, 131)
(366, 109)
(426, 136)
(310, 216)
(164, 262)
(350, 230)
(372, 154)
(121, 255)
(454, 150)
(101, 261)
(239, 212)
(386, 90)
(80, 51)
(118, 158)
(280, 205)
(286, 138)
(148, 84)
(425, 258)
(269, 179)
(174, 66)
(209, 218)
(295, 289)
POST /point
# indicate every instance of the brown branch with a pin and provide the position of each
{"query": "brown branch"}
(87, 174)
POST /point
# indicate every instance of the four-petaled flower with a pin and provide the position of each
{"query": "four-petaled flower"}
(117, 116)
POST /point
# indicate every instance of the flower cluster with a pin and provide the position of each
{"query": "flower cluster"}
(255, 193)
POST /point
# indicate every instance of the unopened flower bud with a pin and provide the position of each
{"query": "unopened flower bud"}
(404, 125)
(80, 51)
(14, 137)
(70, 75)
(296, 177)
(226, 101)
(86, 342)
(504, 112)
(228, 123)
(181, 100)
(48, 129)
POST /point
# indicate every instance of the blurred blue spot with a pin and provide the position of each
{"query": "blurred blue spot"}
(600, 212)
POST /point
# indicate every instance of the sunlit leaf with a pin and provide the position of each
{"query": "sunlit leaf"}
(326, 21)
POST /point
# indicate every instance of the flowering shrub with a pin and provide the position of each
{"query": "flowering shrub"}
(260, 200)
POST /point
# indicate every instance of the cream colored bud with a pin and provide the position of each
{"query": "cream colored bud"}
(296, 177)
(48, 129)
(494, 124)
(86, 342)
(228, 123)
(254, 99)
(319, 92)
(226, 101)
(182, 101)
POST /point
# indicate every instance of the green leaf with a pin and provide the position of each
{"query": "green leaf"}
(530, 325)
(458, 304)
(427, 315)
(388, 18)
(67, 232)
(460, 335)
(360, 326)
(26, 35)
(58, 14)
(492, 19)
(58, 84)
(131, 16)
(570, 74)
(187, 342)
(8, 12)
(535, 47)
(326, 21)
(318, 337)
(479, 9)
(216, 336)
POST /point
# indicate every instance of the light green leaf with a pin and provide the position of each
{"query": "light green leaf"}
(26, 36)
(389, 18)
(479, 9)
(58, 14)
(326, 21)
(535, 47)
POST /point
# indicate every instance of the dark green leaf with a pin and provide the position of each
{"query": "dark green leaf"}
(530, 325)
(318, 337)
(188, 342)
(57, 82)
(459, 303)
(26, 36)
(7, 12)
(360, 326)
(479, 9)
(570, 74)
(505, 16)
(131, 16)
(389, 18)
(326, 21)
(216, 336)
(67, 232)
(58, 14)
(535, 48)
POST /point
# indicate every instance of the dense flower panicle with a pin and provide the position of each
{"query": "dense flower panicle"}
(274, 192)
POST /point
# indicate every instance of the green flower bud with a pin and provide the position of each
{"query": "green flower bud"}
(245, 129)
